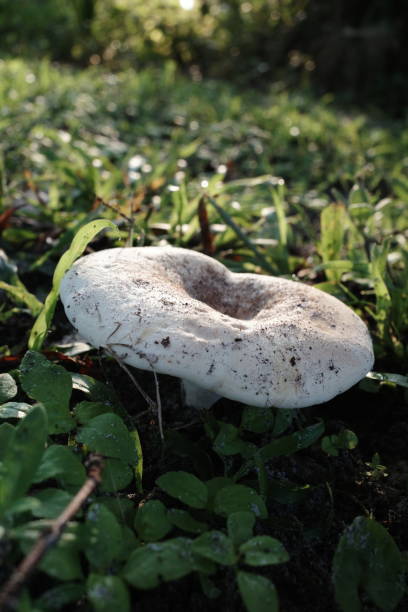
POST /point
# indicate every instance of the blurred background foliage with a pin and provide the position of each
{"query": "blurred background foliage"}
(347, 47)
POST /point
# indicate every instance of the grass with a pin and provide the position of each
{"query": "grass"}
(291, 185)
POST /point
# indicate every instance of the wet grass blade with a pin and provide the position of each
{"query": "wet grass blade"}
(262, 261)
(78, 245)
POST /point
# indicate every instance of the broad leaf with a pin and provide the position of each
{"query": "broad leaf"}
(108, 435)
(103, 536)
(97, 391)
(60, 596)
(61, 561)
(258, 420)
(51, 385)
(263, 550)
(367, 558)
(52, 503)
(117, 475)
(183, 520)
(60, 462)
(288, 445)
(169, 560)
(151, 521)
(14, 410)
(22, 456)
(6, 437)
(235, 498)
(107, 593)
(8, 388)
(258, 593)
(185, 487)
(216, 546)
(240, 526)
(86, 411)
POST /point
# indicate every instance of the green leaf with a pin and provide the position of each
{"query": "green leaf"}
(60, 462)
(213, 486)
(22, 456)
(117, 475)
(263, 550)
(108, 435)
(345, 440)
(97, 391)
(23, 505)
(61, 561)
(78, 245)
(258, 593)
(129, 543)
(86, 411)
(60, 596)
(107, 593)
(185, 487)
(228, 442)
(368, 559)
(6, 437)
(216, 546)
(52, 503)
(283, 419)
(151, 521)
(183, 520)
(240, 526)
(51, 385)
(288, 445)
(169, 560)
(122, 507)
(235, 498)
(103, 536)
(257, 420)
(8, 388)
(14, 410)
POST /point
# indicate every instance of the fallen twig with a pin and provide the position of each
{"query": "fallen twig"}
(207, 238)
(10, 590)
(159, 406)
(148, 400)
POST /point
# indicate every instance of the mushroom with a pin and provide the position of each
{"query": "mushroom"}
(260, 340)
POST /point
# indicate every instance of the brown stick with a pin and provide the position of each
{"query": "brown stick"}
(207, 239)
(9, 592)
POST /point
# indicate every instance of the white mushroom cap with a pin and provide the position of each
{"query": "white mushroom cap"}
(261, 340)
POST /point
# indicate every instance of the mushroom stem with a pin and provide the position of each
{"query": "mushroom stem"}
(197, 397)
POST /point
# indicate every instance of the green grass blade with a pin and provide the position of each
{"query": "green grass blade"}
(138, 468)
(397, 379)
(279, 203)
(383, 298)
(262, 261)
(78, 245)
(334, 221)
(21, 294)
